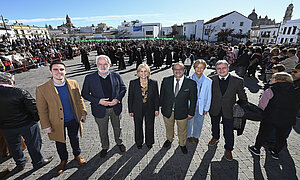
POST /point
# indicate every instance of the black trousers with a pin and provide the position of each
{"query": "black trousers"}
(264, 130)
(149, 128)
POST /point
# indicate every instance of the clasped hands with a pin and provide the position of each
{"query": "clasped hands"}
(106, 102)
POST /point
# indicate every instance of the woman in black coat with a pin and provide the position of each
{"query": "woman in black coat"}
(143, 103)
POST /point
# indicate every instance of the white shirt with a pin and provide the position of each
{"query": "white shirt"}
(220, 77)
(180, 82)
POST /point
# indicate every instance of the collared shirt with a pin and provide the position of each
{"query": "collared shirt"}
(220, 77)
(180, 82)
(6, 85)
(105, 75)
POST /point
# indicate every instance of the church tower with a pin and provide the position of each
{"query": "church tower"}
(68, 19)
(288, 13)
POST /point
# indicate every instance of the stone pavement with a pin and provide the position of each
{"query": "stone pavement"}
(201, 162)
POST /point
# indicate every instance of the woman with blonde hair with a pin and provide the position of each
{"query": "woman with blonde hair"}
(143, 103)
(204, 85)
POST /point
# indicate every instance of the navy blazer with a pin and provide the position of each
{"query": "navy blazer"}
(92, 91)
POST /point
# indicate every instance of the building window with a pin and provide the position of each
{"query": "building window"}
(291, 40)
(284, 30)
(289, 31)
(149, 32)
(224, 24)
(286, 40)
(294, 29)
(281, 41)
(232, 22)
(274, 33)
(184, 28)
(206, 31)
(241, 23)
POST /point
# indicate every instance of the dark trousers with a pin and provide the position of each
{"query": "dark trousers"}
(72, 128)
(149, 128)
(33, 140)
(264, 130)
(227, 130)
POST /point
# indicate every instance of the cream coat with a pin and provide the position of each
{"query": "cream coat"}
(51, 111)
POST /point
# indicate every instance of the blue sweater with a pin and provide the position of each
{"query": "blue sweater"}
(63, 94)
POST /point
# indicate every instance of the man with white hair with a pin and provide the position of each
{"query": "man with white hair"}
(105, 90)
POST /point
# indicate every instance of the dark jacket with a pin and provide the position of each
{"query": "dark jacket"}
(282, 109)
(17, 108)
(92, 91)
(225, 102)
(135, 101)
(185, 101)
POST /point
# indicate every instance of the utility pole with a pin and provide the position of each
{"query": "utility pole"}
(4, 24)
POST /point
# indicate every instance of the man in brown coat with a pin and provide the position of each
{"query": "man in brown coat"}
(61, 106)
(225, 88)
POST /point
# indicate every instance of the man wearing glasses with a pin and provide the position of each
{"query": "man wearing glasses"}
(225, 87)
(105, 90)
(61, 107)
(178, 97)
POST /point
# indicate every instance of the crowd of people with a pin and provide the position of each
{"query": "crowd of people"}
(183, 98)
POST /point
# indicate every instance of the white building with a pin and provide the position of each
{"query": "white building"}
(233, 20)
(289, 32)
(268, 34)
(166, 31)
(137, 29)
(28, 32)
(193, 30)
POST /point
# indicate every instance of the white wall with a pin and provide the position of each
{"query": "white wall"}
(199, 29)
(232, 21)
(285, 37)
(166, 31)
(189, 30)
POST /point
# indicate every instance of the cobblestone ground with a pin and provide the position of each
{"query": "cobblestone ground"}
(201, 162)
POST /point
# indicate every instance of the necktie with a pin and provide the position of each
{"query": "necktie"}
(177, 87)
(223, 79)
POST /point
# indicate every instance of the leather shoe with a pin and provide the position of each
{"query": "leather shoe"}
(184, 149)
(81, 161)
(149, 146)
(62, 166)
(196, 140)
(122, 147)
(213, 142)
(190, 139)
(167, 144)
(44, 163)
(228, 155)
(103, 153)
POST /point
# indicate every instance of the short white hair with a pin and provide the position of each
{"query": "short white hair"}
(103, 57)
(222, 62)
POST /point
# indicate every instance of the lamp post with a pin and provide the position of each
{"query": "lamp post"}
(4, 24)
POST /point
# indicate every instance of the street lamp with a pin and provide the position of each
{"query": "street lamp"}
(5, 21)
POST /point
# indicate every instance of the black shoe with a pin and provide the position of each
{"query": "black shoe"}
(122, 148)
(103, 153)
(273, 154)
(167, 144)
(184, 149)
(139, 146)
(44, 163)
(149, 146)
(253, 150)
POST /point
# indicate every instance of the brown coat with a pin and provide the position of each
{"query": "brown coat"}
(51, 111)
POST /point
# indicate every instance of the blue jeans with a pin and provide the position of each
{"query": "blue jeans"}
(195, 125)
(33, 140)
(227, 130)
(72, 128)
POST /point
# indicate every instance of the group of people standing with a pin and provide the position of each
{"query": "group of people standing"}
(183, 99)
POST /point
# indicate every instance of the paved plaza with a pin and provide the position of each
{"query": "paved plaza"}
(201, 162)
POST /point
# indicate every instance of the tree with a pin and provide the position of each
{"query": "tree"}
(224, 34)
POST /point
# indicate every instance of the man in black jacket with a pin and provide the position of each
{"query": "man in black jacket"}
(19, 117)
(178, 98)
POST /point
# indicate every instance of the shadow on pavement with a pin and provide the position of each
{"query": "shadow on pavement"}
(124, 165)
(284, 168)
(224, 169)
(252, 84)
(202, 170)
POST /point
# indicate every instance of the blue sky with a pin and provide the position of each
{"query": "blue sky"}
(113, 12)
